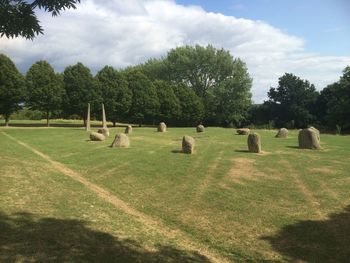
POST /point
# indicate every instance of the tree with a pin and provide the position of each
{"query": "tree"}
(17, 17)
(192, 109)
(200, 68)
(231, 98)
(116, 95)
(145, 103)
(292, 101)
(12, 88)
(81, 89)
(45, 88)
(170, 109)
(333, 105)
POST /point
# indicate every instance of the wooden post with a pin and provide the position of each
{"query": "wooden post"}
(104, 122)
(88, 127)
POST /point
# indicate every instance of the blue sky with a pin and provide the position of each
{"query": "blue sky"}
(323, 24)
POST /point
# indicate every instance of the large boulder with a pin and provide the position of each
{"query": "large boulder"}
(188, 144)
(95, 136)
(254, 143)
(128, 129)
(200, 128)
(282, 133)
(162, 127)
(104, 131)
(121, 140)
(309, 139)
(243, 131)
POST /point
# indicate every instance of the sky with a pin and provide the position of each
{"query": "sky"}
(307, 38)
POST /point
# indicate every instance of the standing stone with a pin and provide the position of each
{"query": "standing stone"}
(88, 125)
(95, 136)
(104, 122)
(121, 140)
(309, 139)
(317, 132)
(282, 133)
(128, 129)
(200, 128)
(188, 144)
(254, 143)
(104, 131)
(162, 127)
(243, 131)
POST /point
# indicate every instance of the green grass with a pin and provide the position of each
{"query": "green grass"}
(283, 205)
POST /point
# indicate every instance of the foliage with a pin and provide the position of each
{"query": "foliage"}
(12, 87)
(45, 88)
(145, 103)
(170, 109)
(292, 100)
(18, 18)
(116, 95)
(81, 89)
(192, 108)
(231, 98)
(333, 104)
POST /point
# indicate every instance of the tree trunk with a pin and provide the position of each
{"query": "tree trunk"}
(114, 123)
(84, 120)
(47, 119)
(7, 120)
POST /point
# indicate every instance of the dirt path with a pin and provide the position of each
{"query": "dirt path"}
(148, 221)
(303, 189)
(206, 181)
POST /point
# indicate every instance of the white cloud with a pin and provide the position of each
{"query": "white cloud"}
(122, 33)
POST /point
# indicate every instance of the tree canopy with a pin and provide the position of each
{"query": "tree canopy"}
(116, 95)
(145, 103)
(292, 102)
(81, 89)
(45, 88)
(18, 18)
(12, 87)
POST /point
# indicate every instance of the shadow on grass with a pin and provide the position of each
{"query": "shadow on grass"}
(25, 238)
(293, 147)
(315, 241)
(177, 151)
(242, 151)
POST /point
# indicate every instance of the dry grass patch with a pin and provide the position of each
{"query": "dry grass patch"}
(244, 169)
(322, 170)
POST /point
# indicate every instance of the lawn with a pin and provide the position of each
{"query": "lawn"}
(84, 201)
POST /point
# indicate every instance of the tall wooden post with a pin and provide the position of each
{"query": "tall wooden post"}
(88, 126)
(104, 122)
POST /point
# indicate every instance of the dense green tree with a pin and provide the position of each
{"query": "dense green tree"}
(333, 105)
(170, 109)
(81, 88)
(145, 103)
(199, 67)
(292, 101)
(18, 18)
(12, 88)
(192, 108)
(231, 98)
(116, 95)
(45, 88)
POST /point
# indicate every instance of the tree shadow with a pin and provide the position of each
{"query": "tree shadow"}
(293, 147)
(242, 151)
(26, 238)
(176, 151)
(315, 241)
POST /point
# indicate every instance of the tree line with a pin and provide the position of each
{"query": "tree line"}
(190, 85)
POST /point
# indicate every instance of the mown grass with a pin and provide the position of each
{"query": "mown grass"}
(243, 206)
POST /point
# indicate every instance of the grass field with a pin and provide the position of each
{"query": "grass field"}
(65, 198)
